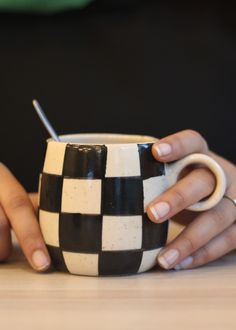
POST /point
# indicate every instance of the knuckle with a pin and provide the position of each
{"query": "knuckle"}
(202, 255)
(17, 202)
(218, 217)
(230, 238)
(178, 145)
(198, 136)
(229, 208)
(179, 198)
(195, 134)
(30, 241)
(188, 244)
(234, 239)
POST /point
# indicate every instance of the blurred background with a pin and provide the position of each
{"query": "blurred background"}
(146, 67)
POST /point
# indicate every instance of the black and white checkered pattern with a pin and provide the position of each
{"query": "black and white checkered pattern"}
(92, 208)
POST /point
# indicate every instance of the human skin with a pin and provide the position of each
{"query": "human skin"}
(207, 235)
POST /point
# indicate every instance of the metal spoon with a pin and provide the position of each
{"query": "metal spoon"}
(45, 121)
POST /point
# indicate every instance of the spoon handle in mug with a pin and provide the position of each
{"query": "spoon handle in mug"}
(45, 120)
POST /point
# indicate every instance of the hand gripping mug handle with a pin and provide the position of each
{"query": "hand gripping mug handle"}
(173, 171)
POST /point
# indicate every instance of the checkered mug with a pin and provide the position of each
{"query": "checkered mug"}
(94, 190)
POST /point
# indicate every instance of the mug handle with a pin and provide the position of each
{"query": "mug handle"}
(173, 171)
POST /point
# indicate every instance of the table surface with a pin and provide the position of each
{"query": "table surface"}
(204, 298)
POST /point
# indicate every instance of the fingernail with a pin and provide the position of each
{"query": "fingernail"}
(163, 149)
(40, 260)
(184, 264)
(160, 210)
(168, 258)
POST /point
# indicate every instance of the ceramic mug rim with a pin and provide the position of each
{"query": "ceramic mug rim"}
(104, 139)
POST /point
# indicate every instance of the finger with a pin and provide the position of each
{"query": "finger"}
(197, 234)
(197, 185)
(20, 212)
(216, 248)
(34, 200)
(179, 145)
(5, 236)
(184, 217)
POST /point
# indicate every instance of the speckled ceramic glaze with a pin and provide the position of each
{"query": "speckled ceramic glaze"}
(94, 190)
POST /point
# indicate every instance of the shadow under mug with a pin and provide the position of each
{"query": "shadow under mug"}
(94, 190)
